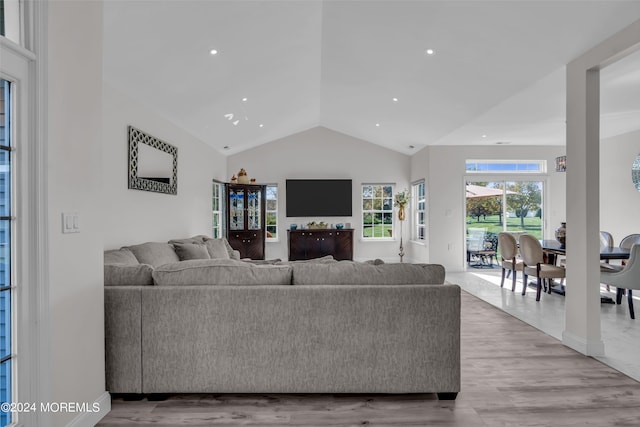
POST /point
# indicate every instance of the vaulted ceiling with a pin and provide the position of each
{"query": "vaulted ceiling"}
(496, 74)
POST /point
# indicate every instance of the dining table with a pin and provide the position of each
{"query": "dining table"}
(553, 249)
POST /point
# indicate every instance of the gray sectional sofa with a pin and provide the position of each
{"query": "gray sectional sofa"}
(186, 317)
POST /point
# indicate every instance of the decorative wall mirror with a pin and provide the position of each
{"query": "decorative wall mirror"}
(635, 172)
(153, 164)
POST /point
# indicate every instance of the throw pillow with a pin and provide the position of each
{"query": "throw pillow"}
(217, 248)
(154, 253)
(188, 251)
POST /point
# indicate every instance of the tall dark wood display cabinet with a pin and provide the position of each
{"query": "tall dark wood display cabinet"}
(245, 219)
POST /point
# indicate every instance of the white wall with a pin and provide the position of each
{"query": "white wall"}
(135, 216)
(444, 169)
(74, 141)
(322, 153)
(619, 199)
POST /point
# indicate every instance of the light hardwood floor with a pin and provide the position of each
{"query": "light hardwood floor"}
(512, 375)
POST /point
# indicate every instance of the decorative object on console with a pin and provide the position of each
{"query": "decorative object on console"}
(243, 178)
(293, 227)
(234, 180)
(561, 233)
(153, 164)
(561, 164)
(339, 226)
(400, 201)
(317, 225)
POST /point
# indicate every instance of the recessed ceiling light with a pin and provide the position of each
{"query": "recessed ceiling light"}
(261, 125)
(213, 51)
(503, 142)
(226, 147)
(244, 99)
(394, 99)
(235, 123)
(412, 147)
(377, 125)
(484, 136)
(429, 51)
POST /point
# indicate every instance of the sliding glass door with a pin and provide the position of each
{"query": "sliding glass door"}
(493, 206)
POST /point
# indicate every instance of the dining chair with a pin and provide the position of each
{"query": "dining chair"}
(533, 259)
(628, 278)
(629, 241)
(508, 248)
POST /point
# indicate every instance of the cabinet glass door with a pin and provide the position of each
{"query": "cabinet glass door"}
(236, 209)
(254, 199)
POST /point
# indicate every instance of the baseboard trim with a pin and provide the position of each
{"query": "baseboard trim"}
(586, 347)
(90, 419)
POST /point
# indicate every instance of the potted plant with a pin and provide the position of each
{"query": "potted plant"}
(400, 201)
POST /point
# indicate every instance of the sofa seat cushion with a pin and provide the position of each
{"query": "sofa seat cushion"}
(356, 273)
(187, 251)
(221, 272)
(154, 253)
(120, 256)
(128, 274)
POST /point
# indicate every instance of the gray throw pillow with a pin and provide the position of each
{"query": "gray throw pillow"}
(154, 253)
(187, 251)
(217, 248)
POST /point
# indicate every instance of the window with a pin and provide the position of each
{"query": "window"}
(419, 231)
(6, 285)
(10, 20)
(377, 211)
(506, 166)
(217, 210)
(272, 212)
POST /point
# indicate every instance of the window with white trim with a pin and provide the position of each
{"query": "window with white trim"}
(419, 211)
(377, 211)
(217, 210)
(272, 212)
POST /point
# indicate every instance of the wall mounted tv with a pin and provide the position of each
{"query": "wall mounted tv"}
(318, 197)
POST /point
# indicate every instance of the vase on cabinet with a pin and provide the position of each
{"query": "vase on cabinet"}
(561, 233)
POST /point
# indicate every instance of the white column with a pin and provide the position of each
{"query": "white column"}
(582, 314)
(582, 322)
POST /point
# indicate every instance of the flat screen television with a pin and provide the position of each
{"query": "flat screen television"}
(318, 197)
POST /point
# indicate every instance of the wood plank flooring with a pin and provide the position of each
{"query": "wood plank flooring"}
(512, 375)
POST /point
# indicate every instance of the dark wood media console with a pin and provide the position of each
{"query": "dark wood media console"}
(316, 243)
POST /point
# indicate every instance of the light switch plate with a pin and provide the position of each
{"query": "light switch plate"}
(70, 222)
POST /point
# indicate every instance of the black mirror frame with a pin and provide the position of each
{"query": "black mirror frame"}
(136, 137)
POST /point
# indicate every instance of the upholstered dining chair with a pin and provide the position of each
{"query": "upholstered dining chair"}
(628, 278)
(629, 241)
(508, 248)
(606, 239)
(533, 258)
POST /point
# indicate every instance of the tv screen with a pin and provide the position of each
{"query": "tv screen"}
(318, 197)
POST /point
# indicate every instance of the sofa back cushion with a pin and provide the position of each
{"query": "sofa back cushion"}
(154, 253)
(187, 251)
(120, 256)
(356, 273)
(128, 274)
(221, 272)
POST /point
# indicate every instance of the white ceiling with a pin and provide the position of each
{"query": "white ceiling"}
(498, 68)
